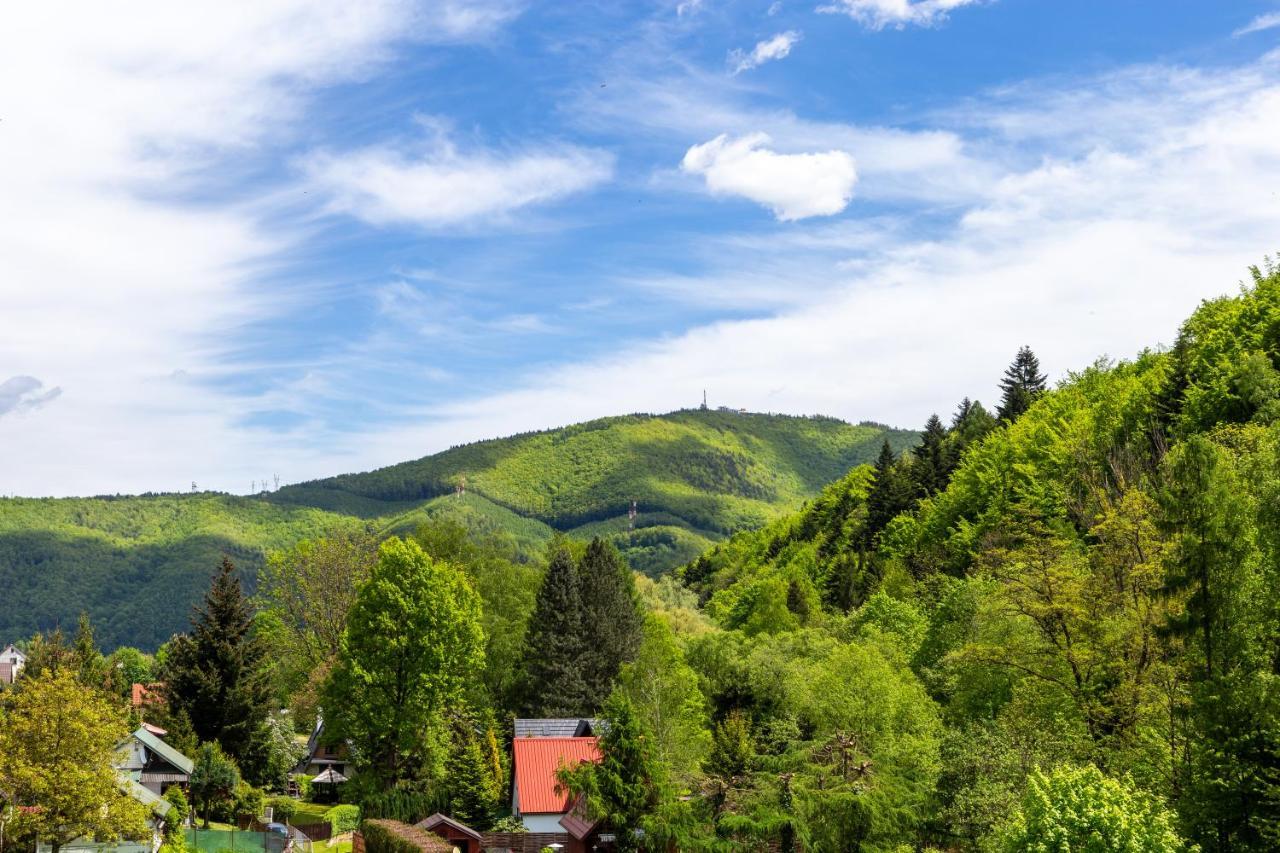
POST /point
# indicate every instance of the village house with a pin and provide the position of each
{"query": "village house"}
(11, 663)
(321, 758)
(153, 764)
(537, 799)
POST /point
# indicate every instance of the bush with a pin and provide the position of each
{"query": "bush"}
(247, 802)
(391, 836)
(405, 803)
(176, 819)
(283, 808)
(343, 818)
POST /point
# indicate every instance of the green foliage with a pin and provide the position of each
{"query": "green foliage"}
(392, 836)
(413, 644)
(472, 788)
(1081, 809)
(282, 808)
(343, 818)
(214, 780)
(58, 742)
(1022, 384)
(217, 676)
(405, 802)
(179, 811)
(625, 787)
(136, 564)
(556, 646)
(610, 616)
(662, 690)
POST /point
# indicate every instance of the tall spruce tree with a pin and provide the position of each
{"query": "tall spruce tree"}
(217, 676)
(1022, 383)
(890, 493)
(931, 467)
(555, 645)
(468, 775)
(611, 612)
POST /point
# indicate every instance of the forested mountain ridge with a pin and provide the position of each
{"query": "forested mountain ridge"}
(1093, 582)
(136, 563)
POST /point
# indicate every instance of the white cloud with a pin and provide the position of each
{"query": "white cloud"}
(438, 185)
(878, 14)
(1097, 248)
(1269, 21)
(114, 287)
(23, 393)
(793, 186)
(768, 50)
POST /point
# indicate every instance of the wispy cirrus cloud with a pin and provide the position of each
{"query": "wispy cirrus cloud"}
(879, 14)
(129, 263)
(1269, 21)
(793, 186)
(768, 50)
(435, 184)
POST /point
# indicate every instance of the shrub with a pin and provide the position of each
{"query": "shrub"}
(247, 802)
(283, 808)
(343, 818)
(391, 836)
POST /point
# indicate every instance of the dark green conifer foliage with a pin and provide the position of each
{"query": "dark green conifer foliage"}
(555, 646)
(622, 790)
(468, 776)
(890, 493)
(93, 667)
(216, 674)
(610, 616)
(932, 464)
(1022, 383)
(970, 425)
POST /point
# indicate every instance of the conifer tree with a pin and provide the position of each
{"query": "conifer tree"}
(623, 789)
(931, 468)
(555, 647)
(1022, 383)
(468, 776)
(216, 675)
(611, 614)
(92, 666)
(889, 495)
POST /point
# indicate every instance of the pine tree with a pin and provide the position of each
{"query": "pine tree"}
(931, 467)
(611, 614)
(889, 495)
(555, 647)
(216, 674)
(623, 788)
(1022, 383)
(92, 666)
(468, 776)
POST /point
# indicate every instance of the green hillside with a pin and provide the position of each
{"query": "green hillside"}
(1091, 582)
(136, 564)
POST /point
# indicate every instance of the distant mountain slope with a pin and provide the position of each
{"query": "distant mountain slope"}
(136, 564)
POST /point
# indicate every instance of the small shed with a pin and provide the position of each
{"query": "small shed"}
(461, 836)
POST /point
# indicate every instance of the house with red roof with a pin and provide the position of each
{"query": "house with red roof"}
(537, 798)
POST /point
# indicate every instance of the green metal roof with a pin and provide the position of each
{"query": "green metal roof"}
(148, 798)
(162, 749)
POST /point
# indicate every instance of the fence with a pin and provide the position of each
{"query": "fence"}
(234, 841)
(523, 842)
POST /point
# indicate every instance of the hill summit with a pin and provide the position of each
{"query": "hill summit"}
(694, 477)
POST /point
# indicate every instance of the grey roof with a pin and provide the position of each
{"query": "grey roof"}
(557, 727)
(162, 749)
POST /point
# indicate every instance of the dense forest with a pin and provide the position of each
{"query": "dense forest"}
(1049, 625)
(136, 564)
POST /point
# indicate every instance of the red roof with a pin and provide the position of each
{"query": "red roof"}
(537, 760)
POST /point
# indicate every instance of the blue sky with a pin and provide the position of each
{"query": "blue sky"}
(301, 238)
